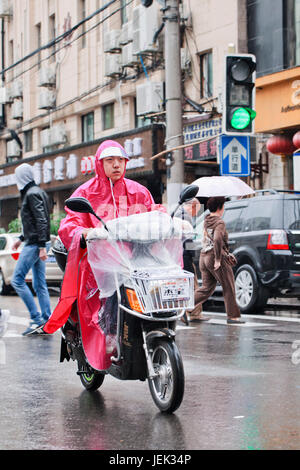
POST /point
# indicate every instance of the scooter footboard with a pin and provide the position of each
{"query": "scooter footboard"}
(134, 365)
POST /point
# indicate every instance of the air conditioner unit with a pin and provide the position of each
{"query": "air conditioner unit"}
(112, 65)
(111, 41)
(128, 59)
(46, 99)
(58, 134)
(17, 89)
(144, 26)
(47, 76)
(13, 149)
(149, 98)
(5, 8)
(45, 138)
(126, 33)
(5, 95)
(17, 110)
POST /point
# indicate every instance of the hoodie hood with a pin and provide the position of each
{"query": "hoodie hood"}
(211, 221)
(24, 175)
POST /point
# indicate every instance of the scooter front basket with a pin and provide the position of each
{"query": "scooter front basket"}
(157, 293)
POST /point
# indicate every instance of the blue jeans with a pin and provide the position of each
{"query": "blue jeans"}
(29, 259)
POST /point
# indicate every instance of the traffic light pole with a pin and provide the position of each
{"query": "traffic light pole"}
(174, 137)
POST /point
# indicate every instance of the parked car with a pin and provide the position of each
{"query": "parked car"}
(8, 260)
(264, 235)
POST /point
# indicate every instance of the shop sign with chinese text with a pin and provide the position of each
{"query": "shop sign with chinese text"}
(208, 131)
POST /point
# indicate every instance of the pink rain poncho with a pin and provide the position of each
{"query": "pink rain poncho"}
(109, 201)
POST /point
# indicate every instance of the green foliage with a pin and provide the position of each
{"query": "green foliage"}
(55, 222)
(15, 225)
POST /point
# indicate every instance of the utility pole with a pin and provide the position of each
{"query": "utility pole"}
(174, 137)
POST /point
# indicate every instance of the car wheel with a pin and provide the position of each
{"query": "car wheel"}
(251, 296)
(4, 288)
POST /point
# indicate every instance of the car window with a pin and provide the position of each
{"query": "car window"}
(258, 215)
(2, 243)
(292, 214)
(232, 219)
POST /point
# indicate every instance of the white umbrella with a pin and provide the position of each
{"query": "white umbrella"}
(213, 186)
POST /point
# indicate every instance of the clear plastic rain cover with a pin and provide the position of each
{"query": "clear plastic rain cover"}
(137, 243)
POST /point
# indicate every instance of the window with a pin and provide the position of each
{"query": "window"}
(11, 52)
(292, 214)
(83, 27)
(98, 18)
(231, 218)
(2, 243)
(87, 123)
(124, 17)
(52, 31)
(258, 215)
(297, 32)
(28, 140)
(39, 43)
(206, 75)
(108, 116)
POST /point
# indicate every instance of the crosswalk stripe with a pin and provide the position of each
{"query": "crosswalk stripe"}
(18, 320)
(258, 317)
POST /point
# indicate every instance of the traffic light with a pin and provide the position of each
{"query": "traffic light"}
(239, 94)
(147, 3)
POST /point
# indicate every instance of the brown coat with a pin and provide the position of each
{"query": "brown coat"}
(215, 248)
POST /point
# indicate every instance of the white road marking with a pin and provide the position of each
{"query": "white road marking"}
(256, 317)
(18, 320)
(247, 324)
(24, 321)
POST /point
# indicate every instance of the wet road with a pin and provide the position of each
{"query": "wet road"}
(242, 391)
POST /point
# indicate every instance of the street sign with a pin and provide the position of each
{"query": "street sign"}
(235, 155)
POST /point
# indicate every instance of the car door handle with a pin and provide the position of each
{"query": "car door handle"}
(231, 242)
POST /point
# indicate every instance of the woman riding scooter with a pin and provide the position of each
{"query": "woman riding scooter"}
(111, 195)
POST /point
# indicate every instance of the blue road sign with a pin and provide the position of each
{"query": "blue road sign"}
(235, 155)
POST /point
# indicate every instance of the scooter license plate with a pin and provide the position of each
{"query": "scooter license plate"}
(174, 290)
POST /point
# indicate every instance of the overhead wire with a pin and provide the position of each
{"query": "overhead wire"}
(84, 94)
(61, 37)
(65, 45)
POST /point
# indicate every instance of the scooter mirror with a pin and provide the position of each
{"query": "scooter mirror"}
(188, 193)
(79, 204)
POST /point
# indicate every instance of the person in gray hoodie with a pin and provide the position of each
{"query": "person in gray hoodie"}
(216, 262)
(35, 216)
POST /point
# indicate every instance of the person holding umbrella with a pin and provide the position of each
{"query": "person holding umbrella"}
(216, 262)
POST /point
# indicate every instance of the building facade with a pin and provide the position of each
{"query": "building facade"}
(275, 40)
(79, 71)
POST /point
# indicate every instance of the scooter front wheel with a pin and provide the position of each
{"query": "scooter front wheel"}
(167, 387)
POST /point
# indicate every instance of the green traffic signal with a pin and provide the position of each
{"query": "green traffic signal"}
(241, 118)
(239, 94)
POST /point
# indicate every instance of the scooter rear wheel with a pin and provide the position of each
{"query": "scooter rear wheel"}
(91, 380)
(167, 387)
